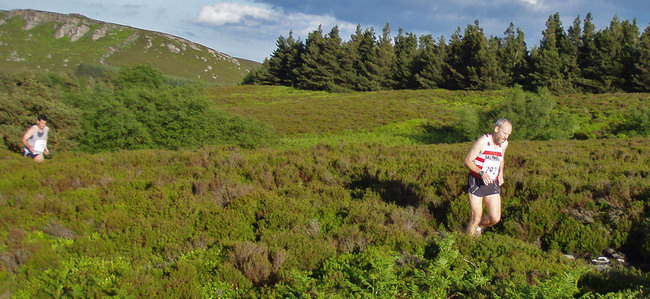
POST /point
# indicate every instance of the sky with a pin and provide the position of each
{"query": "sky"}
(250, 28)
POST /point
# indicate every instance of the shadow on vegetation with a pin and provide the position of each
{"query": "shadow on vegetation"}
(434, 135)
(391, 191)
(398, 192)
(613, 280)
(639, 239)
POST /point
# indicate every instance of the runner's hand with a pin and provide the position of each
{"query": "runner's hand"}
(486, 179)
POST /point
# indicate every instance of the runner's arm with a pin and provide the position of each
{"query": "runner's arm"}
(476, 149)
(29, 133)
(46, 151)
(503, 163)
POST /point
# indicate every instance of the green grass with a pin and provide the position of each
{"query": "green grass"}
(598, 114)
(410, 132)
(428, 116)
(294, 112)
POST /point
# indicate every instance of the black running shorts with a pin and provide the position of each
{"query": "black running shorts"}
(477, 187)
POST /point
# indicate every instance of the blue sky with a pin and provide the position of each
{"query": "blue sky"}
(249, 28)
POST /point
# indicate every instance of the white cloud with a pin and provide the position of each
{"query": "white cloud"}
(302, 23)
(260, 18)
(536, 4)
(235, 13)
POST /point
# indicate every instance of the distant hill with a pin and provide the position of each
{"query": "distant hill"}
(38, 40)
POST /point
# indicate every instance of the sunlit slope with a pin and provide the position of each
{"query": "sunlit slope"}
(293, 112)
(36, 40)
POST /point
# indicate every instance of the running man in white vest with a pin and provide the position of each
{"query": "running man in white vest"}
(35, 140)
(485, 161)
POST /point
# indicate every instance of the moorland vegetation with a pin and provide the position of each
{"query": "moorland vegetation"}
(166, 188)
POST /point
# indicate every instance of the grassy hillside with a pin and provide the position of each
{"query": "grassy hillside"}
(292, 111)
(43, 41)
(406, 116)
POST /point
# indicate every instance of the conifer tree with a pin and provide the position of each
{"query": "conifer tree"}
(548, 63)
(429, 62)
(405, 53)
(321, 61)
(490, 75)
(477, 62)
(336, 57)
(513, 56)
(313, 73)
(363, 51)
(613, 47)
(259, 75)
(608, 52)
(569, 50)
(285, 61)
(641, 74)
(385, 58)
(629, 53)
(586, 56)
(454, 78)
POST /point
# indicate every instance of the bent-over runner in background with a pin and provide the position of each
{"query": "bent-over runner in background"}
(35, 140)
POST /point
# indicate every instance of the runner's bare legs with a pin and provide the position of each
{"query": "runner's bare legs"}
(493, 206)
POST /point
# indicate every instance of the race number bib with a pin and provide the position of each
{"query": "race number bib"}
(491, 166)
(39, 146)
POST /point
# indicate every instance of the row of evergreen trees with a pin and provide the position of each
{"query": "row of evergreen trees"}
(580, 59)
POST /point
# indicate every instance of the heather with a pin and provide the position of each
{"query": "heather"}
(160, 188)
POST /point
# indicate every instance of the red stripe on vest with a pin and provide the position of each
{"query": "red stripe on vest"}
(492, 153)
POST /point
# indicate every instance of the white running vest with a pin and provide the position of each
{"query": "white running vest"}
(489, 160)
(38, 141)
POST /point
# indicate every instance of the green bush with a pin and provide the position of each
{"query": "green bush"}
(139, 109)
(24, 96)
(636, 123)
(577, 238)
(535, 116)
(145, 112)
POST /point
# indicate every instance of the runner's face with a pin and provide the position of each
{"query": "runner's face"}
(41, 124)
(502, 133)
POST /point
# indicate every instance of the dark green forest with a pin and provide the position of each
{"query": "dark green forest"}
(578, 59)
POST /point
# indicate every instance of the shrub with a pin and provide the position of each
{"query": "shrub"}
(574, 237)
(24, 96)
(369, 274)
(636, 123)
(143, 75)
(79, 277)
(534, 117)
(615, 279)
(145, 112)
(252, 259)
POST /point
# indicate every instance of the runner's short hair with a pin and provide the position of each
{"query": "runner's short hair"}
(42, 117)
(502, 121)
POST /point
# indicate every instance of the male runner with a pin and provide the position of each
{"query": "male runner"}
(35, 140)
(485, 162)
